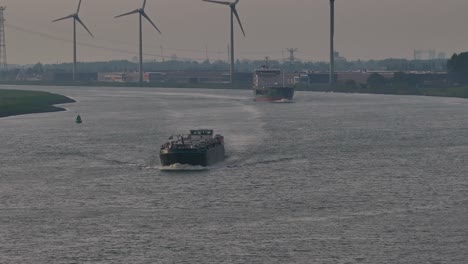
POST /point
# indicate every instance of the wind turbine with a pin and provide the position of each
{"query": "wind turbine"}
(332, 42)
(232, 5)
(76, 18)
(141, 12)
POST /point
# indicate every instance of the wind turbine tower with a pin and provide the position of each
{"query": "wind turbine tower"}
(232, 6)
(332, 42)
(3, 54)
(76, 18)
(142, 14)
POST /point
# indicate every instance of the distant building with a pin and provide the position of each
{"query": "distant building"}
(319, 77)
(428, 55)
(302, 79)
(431, 79)
(173, 77)
(68, 76)
(426, 79)
(360, 77)
(112, 77)
(155, 77)
(197, 77)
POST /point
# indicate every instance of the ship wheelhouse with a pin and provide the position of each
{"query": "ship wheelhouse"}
(201, 134)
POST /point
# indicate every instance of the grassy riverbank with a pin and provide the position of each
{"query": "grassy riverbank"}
(15, 102)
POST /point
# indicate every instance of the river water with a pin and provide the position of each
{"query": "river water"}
(331, 178)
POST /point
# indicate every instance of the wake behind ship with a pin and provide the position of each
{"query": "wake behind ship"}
(269, 85)
(199, 148)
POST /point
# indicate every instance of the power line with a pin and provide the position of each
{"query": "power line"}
(291, 51)
(131, 52)
(49, 36)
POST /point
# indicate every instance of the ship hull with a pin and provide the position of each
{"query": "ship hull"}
(193, 157)
(274, 94)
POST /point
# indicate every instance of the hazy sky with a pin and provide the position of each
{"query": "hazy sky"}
(365, 29)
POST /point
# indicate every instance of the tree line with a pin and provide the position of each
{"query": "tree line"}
(241, 65)
(453, 83)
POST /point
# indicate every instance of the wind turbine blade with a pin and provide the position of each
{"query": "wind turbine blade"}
(78, 9)
(129, 13)
(149, 20)
(218, 2)
(238, 19)
(81, 22)
(144, 4)
(63, 18)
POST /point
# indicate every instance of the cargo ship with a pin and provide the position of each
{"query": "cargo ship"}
(270, 86)
(199, 148)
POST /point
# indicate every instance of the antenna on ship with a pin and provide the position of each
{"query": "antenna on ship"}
(232, 6)
(141, 12)
(76, 18)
